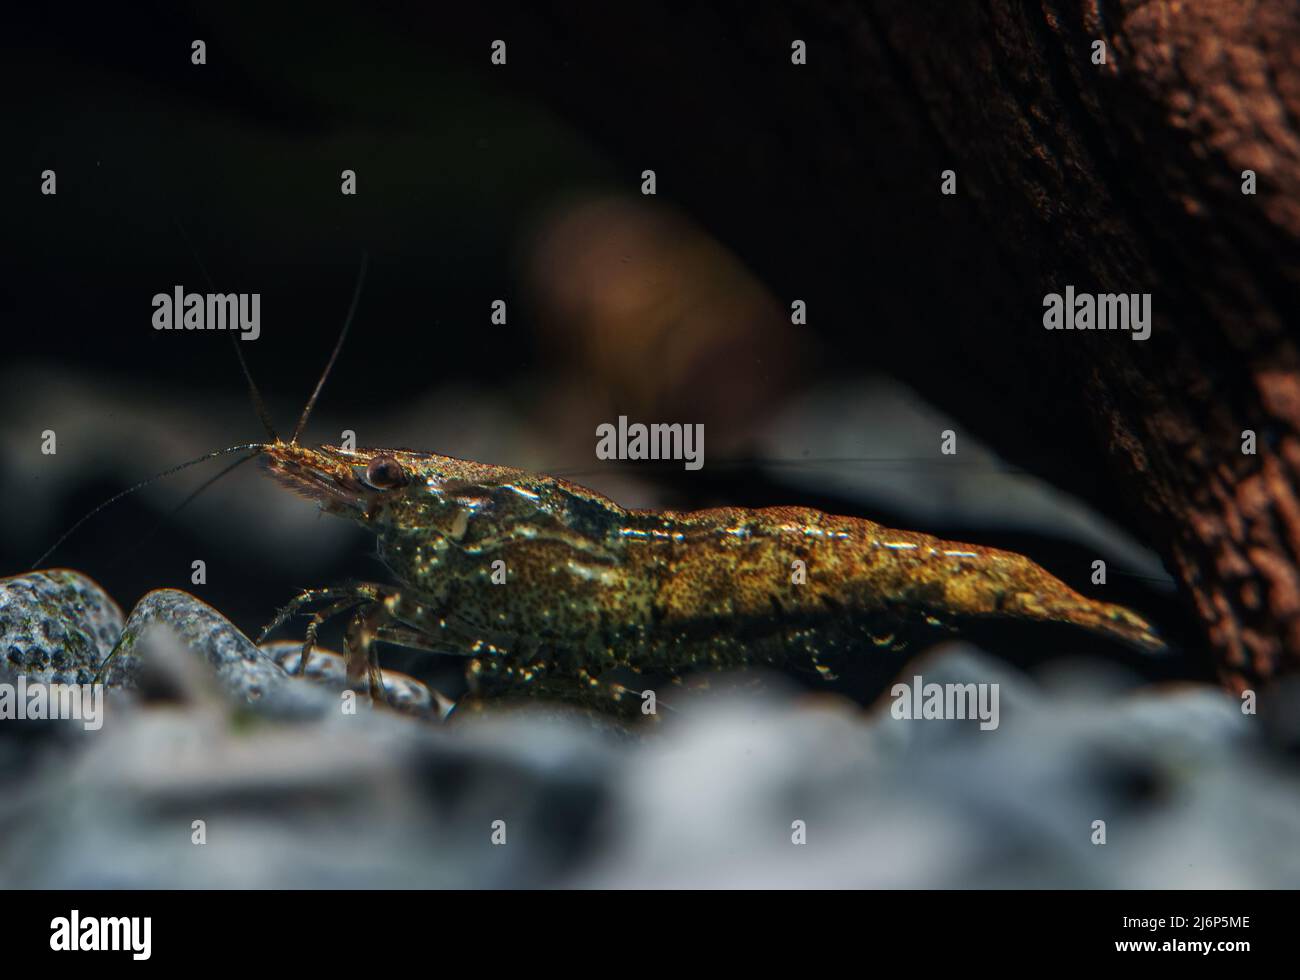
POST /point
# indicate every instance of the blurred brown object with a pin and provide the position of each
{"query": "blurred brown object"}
(658, 320)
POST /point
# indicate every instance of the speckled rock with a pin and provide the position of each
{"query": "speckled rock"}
(245, 675)
(56, 625)
(403, 692)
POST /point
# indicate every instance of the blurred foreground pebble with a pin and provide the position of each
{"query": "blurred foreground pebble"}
(1187, 790)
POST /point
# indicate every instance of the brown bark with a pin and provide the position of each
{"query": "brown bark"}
(1132, 174)
(1117, 178)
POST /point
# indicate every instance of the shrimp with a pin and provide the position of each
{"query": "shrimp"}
(544, 586)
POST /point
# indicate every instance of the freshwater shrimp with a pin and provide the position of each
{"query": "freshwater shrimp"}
(544, 585)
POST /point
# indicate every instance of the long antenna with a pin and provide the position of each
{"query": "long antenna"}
(171, 514)
(140, 486)
(258, 404)
(338, 346)
(256, 395)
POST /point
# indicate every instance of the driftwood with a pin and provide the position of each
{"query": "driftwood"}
(1122, 177)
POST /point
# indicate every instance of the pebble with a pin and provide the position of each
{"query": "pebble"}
(56, 626)
(246, 676)
(403, 692)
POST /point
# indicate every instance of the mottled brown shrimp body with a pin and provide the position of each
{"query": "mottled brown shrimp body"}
(543, 584)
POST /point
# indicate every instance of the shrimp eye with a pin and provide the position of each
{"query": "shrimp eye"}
(385, 473)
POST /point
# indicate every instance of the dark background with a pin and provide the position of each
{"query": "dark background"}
(165, 167)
